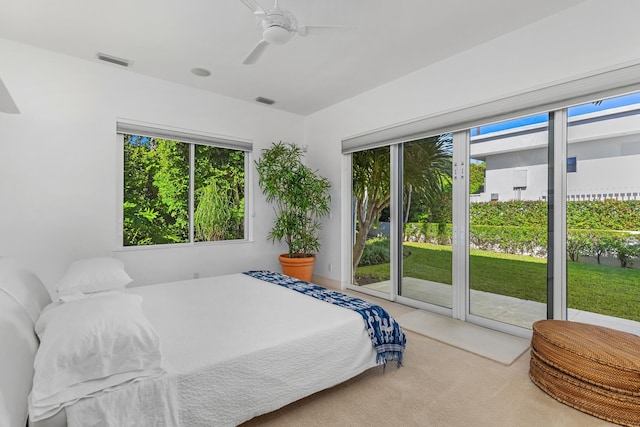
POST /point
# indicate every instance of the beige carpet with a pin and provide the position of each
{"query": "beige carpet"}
(484, 342)
(440, 386)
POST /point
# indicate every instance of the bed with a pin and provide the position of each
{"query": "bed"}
(232, 347)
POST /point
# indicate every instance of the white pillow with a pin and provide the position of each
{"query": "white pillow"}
(89, 345)
(23, 286)
(93, 275)
(80, 295)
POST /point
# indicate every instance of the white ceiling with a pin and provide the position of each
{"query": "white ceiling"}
(167, 38)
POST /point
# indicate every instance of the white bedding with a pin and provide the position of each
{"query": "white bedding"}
(89, 345)
(238, 347)
(22, 298)
(152, 402)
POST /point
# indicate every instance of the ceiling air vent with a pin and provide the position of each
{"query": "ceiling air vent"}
(113, 59)
(265, 100)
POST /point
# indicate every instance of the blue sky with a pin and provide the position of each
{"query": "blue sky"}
(573, 111)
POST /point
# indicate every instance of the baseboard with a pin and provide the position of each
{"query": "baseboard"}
(326, 282)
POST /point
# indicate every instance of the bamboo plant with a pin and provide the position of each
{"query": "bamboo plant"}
(300, 197)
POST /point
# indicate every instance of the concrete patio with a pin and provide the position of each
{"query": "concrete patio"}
(502, 308)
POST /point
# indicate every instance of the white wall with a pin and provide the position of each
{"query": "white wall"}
(606, 167)
(58, 168)
(589, 37)
(62, 149)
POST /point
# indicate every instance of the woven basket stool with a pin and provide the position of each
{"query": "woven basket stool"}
(590, 368)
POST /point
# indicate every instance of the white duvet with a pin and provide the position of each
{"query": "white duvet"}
(241, 347)
(88, 346)
(151, 402)
(233, 347)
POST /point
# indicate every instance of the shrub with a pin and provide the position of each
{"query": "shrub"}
(625, 247)
(428, 232)
(579, 242)
(509, 239)
(377, 251)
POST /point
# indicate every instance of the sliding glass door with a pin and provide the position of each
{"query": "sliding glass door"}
(507, 223)
(371, 221)
(603, 213)
(508, 187)
(427, 187)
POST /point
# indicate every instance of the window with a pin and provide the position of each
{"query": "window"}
(177, 189)
(572, 164)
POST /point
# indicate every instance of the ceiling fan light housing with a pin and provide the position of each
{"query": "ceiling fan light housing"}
(276, 35)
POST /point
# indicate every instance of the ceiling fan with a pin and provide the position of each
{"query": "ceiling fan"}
(277, 25)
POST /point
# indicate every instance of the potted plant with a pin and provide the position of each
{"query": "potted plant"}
(300, 197)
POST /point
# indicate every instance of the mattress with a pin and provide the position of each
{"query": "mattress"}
(239, 347)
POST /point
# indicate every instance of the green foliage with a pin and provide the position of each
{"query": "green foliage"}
(510, 239)
(624, 246)
(427, 182)
(213, 217)
(301, 197)
(533, 240)
(139, 225)
(476, 177)
(155, 207)
(506, 239)
(511, 213)
(604, 214)
(156, 192)
(588, 214)
(378, 251)
(172, 181)
(595, 228)
(219, 194)
(428, 232)
(427, 177)
(579, 243)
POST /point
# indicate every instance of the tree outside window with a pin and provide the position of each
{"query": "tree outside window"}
(157, 188)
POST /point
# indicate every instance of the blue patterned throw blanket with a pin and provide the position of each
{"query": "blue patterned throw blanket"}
(385, 333)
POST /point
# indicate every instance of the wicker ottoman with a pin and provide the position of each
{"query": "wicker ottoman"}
(591, 368)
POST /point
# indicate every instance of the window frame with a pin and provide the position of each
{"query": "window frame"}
(192, 139)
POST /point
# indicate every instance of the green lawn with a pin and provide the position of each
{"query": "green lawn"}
(613, 291)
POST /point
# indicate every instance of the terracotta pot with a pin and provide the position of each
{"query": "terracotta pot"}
(300, 268)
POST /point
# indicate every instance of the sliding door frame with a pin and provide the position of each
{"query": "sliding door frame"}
(554, 99)
(557, 240)
(460, 238)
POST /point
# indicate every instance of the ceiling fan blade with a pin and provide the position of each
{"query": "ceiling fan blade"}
(303, 30)
(255, 54)
(254, 7)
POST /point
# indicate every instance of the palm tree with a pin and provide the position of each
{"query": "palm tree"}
(427, 171)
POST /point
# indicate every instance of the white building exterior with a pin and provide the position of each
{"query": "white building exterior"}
(604, 145)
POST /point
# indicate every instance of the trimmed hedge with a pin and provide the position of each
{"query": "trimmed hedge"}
(604, 215)
(532, 241)
(509, 239)
(512, 213)
(595, 228)
(505, 239)
(588, 214)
